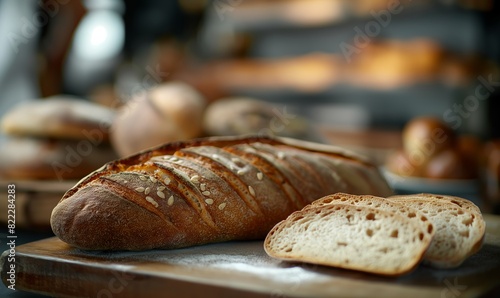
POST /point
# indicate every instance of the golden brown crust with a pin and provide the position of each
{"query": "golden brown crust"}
(203, 190)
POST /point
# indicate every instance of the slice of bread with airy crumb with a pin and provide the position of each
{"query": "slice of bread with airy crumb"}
(459, 227)
(351, 237)
(378, 203)
(461, 202)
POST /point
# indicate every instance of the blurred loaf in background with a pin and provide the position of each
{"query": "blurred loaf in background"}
(431, 149)
(48, 144)
(243, 115)
(56, 138)
(169, 112)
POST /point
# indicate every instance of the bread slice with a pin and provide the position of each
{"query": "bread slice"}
(378, 203)
(461, 202)
(351, 237)
(459, 228)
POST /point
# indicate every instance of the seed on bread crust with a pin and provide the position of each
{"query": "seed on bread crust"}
(152, 201)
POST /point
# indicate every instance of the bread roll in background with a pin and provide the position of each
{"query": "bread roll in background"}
(426, 137)
(169, 112)
(55, 138)
(241, 115)
(59, 117)
(431, 149)
(39, 158)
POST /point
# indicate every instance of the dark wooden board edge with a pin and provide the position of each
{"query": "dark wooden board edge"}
(51, 267)
(74, 279)
(50, 272)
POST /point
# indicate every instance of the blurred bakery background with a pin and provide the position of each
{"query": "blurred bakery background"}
(85, 82)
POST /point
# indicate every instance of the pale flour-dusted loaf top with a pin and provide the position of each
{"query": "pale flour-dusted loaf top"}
(206, 190)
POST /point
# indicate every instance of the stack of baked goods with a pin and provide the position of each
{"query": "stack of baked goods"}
(47, 145)
(387, 236)
(431, 149)
(57, 138)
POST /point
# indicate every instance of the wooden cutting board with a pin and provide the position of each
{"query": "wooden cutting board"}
(234, 269)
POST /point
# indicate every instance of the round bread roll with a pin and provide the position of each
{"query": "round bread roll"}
(448, 164)
(241, 115)
(34, 158)
(60, 117)
(426, 137)
(169, 112)
(399, 163)
(432, 150)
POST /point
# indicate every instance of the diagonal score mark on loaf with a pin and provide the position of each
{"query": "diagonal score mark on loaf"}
(225, 193)
(325, 180)
(176, 169)
(214, 192)
(300, 176)
(188, 191)
(115, 182)
(159, 173)
(223, 163)
(349, 174)
(292, 199)
(315, 173)
(188, 162)
(318, 174)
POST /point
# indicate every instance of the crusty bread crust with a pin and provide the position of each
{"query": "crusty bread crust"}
(205, 190)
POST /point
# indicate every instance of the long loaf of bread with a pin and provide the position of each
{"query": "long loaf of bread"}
(206, 190)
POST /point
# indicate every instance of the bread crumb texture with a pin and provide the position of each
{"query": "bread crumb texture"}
(388, 236)
(350, 237)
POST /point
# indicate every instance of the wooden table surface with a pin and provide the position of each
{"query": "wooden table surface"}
(234, 269)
